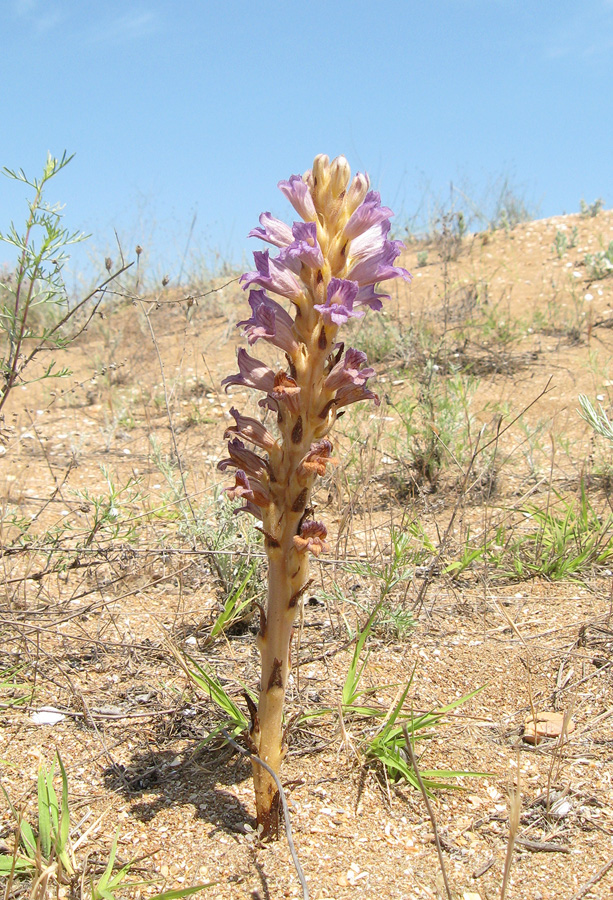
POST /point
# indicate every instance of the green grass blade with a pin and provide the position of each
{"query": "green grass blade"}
(233, 607)
(54, 810)
(352, 679)
(104, 879)
(64, 823)
(183, 892)
(44, 815)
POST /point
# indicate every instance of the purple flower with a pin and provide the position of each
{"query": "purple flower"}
(375, 266)
(243, 458)
(368, 214)
(340, 298)
(271, 322)
(273, 230)
(252, 373)
(304, 247)
(251, 430)
(298, 194)
(352, 371)
(273, 276)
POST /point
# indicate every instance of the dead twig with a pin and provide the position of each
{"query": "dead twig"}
(587, 887)
(424, 794)
(286, 820)
(542, 846)
(514, 815)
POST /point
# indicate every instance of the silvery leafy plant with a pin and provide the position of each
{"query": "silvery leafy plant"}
(326, 271)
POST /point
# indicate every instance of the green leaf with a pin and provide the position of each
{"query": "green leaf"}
(28, 838)
(10, 864)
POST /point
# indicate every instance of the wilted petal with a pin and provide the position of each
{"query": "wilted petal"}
(286, 391)
(312, 537)
(298, 194)
(251, 508)
(340, 298)
(318, 456)
(273, 276)
(252, 373)
(251, 430)
(271, 322)
(248, 488)
(273, 230)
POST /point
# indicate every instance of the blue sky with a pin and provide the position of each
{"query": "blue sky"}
(179, 108)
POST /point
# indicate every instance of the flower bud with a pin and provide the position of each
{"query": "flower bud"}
(321, 170)
(357, 191)
(340, 173)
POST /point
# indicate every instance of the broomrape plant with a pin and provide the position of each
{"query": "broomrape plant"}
(327, 267)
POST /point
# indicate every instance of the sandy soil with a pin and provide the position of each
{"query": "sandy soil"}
(89, 621)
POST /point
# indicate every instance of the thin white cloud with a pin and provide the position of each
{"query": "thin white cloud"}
(23, 8)
(587, 35)
(124, 29)
(110, 27)
(39, 17)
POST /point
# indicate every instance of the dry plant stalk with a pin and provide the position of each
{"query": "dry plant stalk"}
(327, 267)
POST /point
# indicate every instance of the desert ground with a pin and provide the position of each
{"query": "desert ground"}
(473, 506)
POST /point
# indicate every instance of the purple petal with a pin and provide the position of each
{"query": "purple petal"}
(251, 430)
(368, 296)
(370, 241)
(249, 507)
(243, 458)
(252, 373)
(353, 394)
(378, 267)
(340, 298)
(304, 247)
(305, 231)
(352, 371)
(368, 214)
(273, 230)
(273, 276)
(271, 322)
(298, 194)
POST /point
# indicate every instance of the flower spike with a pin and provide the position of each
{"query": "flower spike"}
(327, 270)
